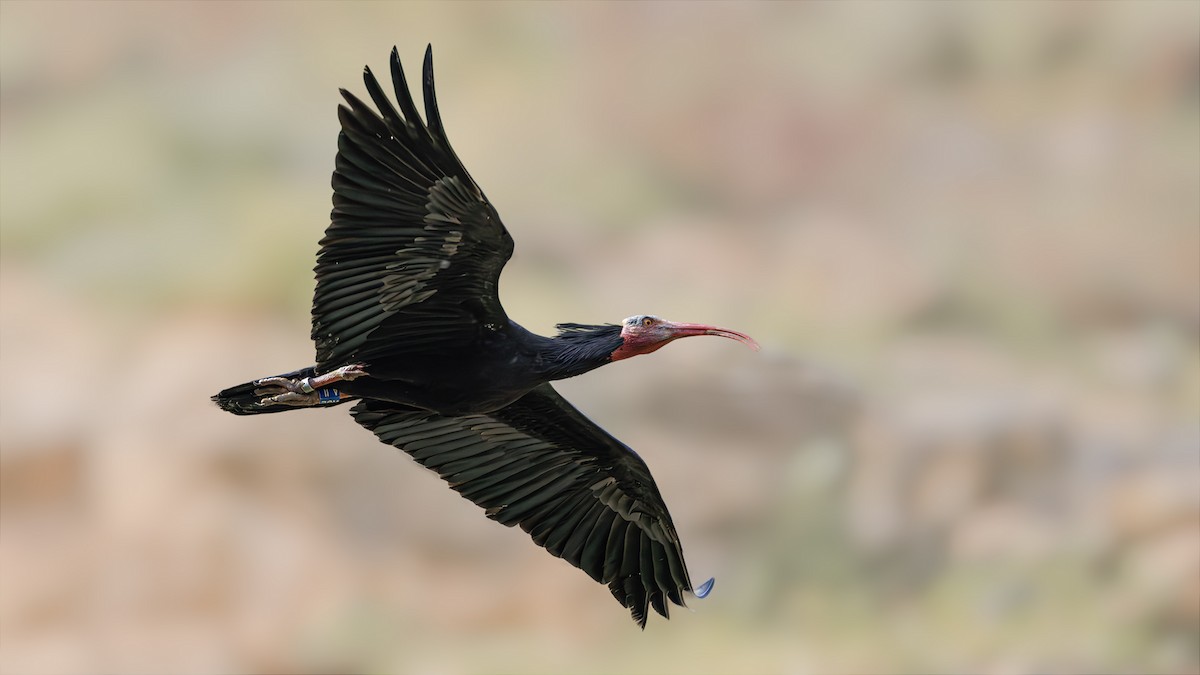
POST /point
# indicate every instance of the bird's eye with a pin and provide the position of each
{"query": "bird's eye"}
(647, 321)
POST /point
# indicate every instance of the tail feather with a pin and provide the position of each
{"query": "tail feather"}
(241, 399)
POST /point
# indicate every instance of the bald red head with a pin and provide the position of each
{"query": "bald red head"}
(644, 334)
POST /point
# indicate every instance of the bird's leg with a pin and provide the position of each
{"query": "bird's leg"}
(345, 373)
(307, 391)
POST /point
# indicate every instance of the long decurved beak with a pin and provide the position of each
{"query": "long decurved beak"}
(680, 330)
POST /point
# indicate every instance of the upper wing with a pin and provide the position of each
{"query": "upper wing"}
(580, 493)
(414, 251)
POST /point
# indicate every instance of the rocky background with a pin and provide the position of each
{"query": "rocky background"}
(967, 236)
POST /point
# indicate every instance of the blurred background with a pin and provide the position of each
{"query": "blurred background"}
(967, 236)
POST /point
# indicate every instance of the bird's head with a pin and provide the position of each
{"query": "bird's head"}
(644, 333)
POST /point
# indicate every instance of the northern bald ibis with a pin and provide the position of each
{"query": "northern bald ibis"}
(407, 322)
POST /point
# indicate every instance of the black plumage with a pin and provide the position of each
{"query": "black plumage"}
(407, 320)
(538, 463)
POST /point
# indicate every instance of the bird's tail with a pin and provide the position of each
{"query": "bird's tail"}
(247, 398)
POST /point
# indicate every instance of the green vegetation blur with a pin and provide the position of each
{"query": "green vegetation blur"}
(966, 235)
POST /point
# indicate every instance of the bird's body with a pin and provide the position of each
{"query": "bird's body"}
(501, 366)
(407, 322)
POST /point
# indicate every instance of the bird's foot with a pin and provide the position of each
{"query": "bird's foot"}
(284, 390)
(306, 391)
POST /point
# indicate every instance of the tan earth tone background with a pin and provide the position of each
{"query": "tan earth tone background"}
(967, 236)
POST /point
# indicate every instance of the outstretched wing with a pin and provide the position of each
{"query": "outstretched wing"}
(413, 254)
(580, 493)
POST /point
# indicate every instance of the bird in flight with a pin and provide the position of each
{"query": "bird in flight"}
(408, 325)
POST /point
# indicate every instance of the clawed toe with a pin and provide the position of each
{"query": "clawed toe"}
(283, 383)
(291, 398)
